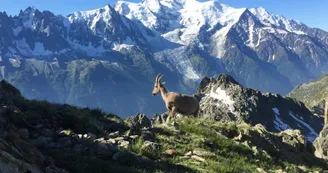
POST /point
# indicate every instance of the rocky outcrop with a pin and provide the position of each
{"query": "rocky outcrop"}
(224, 99)
(287, 144)
(321, 144)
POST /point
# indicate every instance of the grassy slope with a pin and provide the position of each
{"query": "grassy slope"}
(221, 154)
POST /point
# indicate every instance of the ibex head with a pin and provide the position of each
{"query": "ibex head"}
(158, 84)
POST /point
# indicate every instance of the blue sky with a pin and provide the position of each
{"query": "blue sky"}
(313, 13)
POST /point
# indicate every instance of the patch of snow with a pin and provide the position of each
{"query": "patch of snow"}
(191, 74)
(2, 71)
(29, 17)
(119, 47)
(15, 62)
(126, 44)
(90, 50)
(47, 30)
(176, 59)
(277, 20)
(258, 39)
(91, 17)
(183, 18)
(221, 95)
(312, 135)
(220, 38)
(251, 33)
(26, 50)
(278, 123)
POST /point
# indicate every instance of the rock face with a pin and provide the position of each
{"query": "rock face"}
(223, 99)
(288, 143)
(321, 144)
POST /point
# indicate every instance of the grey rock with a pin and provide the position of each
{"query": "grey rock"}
(87, 139)
(101, 150)
(112, 148)
(114, 134)
(150, 146)
(138, 122)
(321, 144)
(124, 144)
(159, 119)
(147, 135)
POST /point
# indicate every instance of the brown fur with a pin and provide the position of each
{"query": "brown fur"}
(176, 102)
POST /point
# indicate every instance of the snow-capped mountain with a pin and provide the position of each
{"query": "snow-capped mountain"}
(96, 52)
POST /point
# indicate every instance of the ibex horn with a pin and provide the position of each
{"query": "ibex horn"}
(159, 79)
(156, 80)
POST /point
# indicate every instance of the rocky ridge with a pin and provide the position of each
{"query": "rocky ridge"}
(224, 99)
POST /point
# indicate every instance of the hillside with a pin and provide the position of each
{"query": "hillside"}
(110, 56)
(313, 94)
(38, 136)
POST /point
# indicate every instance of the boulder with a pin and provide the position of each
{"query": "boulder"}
(293, 140)
(114, 134)
(102, 150)
(124, 144)
(137, 123)
(149, 147)
(86, 139)
(159, 119)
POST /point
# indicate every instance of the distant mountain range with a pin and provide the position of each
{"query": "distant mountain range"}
(109, 57)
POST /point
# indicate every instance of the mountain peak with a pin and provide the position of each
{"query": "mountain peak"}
(28, 15)
(29, 10)
(104, 12)
(226, 79)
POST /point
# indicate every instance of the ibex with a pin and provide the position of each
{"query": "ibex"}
(175, 102)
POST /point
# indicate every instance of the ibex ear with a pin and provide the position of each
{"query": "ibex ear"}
(163, 83)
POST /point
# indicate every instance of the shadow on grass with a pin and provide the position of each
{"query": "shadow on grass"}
(84, 163)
